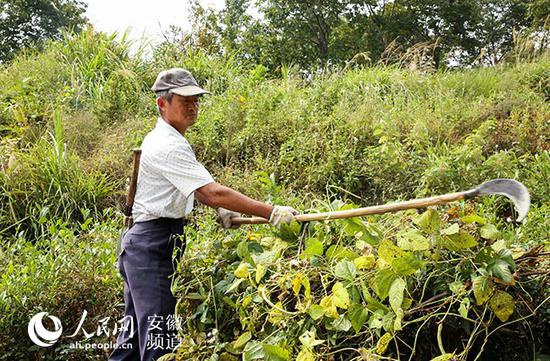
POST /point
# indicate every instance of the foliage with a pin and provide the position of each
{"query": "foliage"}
(23, 22)
(315, 34)
(48, 183)
(67, 270)
(70, 115)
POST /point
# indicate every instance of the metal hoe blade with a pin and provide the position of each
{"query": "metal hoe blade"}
(509, 188)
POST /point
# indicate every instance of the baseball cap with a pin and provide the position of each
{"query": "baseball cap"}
(178, 81)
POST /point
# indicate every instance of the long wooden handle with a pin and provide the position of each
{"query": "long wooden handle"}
(136, 156)
(358, 212)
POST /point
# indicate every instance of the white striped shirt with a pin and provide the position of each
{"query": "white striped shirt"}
(169, 174)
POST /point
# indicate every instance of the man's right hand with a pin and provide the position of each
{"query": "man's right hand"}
(224, 217)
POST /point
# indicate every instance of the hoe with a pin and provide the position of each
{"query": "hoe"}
(509, 188)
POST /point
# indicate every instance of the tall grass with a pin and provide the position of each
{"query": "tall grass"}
(48, 182)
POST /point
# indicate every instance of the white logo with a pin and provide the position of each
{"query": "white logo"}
(38, 333)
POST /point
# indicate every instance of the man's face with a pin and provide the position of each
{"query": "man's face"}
(181, 111)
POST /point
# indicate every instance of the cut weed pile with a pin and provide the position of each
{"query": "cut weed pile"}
(445, 286)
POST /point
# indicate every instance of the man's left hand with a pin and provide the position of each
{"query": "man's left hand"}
(225, 216)
(282, 215)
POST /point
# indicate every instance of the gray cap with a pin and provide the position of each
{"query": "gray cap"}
(178, 81)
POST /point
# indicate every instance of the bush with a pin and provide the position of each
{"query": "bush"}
(68, 270)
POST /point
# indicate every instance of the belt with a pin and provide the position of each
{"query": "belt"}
(165, 221)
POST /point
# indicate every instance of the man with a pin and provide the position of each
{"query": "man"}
(169, 179)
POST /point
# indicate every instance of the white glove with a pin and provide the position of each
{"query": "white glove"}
(224, 217)
(282, 214)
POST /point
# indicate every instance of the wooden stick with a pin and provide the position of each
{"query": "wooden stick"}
(136, 156)
(358, 212)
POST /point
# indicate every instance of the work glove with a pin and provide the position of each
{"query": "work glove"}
(224, 217)
(282, 214)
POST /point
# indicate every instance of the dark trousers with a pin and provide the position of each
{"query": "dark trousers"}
(146, 266)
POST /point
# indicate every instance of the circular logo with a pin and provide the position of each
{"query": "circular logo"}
(38, 333)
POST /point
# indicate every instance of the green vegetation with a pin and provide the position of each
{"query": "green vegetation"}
(311, 34)
(457, 282)
(24, 23)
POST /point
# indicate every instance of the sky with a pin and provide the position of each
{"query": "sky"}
(142, 17)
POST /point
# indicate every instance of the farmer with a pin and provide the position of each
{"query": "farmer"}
(170, 178)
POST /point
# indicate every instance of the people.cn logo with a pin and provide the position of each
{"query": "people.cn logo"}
(38, 333)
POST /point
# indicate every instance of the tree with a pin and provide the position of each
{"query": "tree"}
(23, 22)
(311, 32)
(462, 32)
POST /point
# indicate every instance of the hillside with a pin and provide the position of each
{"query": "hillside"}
(70, 115)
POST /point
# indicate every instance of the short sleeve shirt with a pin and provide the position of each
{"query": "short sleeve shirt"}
(168, 175)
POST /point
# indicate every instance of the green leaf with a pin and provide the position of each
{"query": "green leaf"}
(253, 351)
(383, 342)
(371, 235)
(464, 307)
(345, 270)
(357, 313)
(375, 321)
(388, 321)
(428, 221)
(382, 282)
(482, 289)
(340, 296)
(501, 270)
(458, 241)
(355, 227)
(352, 226)
(457, 287)
(364, 262)
(339, 252)
(275, 353)
(314, 247)
(407, 264)
(503, 305)
(489, 231)
(341, 324)
(374, 305)
(242, 340)
(473, 218)
(413, 241)
(389, 251)
(452, 229)
(290, 232)
(407, 302)
(316, 312)
(242, 270)
(396, 292)
(244, 253)
(234, 285)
